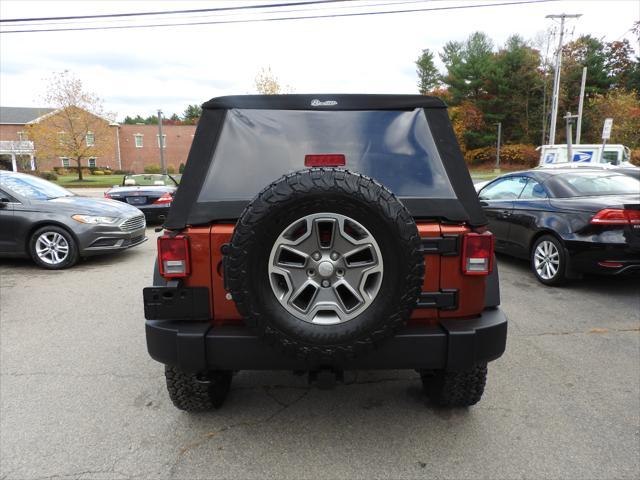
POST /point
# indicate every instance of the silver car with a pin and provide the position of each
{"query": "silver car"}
(55, 227)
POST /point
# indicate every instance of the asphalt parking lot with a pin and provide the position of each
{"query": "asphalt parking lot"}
(81, 398)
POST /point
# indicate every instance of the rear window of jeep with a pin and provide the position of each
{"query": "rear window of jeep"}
(256, 147)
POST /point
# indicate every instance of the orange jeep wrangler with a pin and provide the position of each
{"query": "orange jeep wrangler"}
(324, 233)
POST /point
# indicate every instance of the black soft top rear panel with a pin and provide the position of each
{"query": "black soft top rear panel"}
(186, 210)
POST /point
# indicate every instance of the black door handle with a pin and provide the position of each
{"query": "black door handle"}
(505, 213)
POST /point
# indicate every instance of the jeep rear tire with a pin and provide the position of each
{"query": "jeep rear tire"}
(197, 392)
(456, 389)
(341, 297)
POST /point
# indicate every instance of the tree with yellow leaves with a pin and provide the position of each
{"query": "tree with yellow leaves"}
(78, 128)
(268, 84)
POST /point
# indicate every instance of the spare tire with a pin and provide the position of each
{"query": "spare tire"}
(325, 263)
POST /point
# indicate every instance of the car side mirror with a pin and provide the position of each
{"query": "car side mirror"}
(3, 202)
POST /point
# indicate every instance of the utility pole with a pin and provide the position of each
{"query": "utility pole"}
(544, 91)
(556, 77)
(497, 168)
(579, 125)
(163, 168)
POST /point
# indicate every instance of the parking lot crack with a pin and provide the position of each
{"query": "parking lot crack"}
(592, 331)
(74, 475)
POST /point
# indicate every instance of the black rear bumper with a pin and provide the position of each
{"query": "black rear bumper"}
(452, 345)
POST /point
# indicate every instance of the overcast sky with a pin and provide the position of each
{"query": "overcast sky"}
(137, 71)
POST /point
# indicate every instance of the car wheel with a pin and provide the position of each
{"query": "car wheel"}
(197, 392)
(325, 264)
(53, 248)
(548, 260)
(456, 389)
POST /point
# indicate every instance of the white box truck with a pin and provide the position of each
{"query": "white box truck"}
(585, 154)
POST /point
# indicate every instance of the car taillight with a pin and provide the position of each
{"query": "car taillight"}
(106, 195)
(477, 253)
(165, 198)
(616, 216)
(173, 256)
(325, 160)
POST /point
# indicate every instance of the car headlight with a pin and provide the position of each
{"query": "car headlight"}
(95, 220)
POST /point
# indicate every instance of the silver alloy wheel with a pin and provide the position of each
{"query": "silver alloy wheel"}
(52, 248)
(325, 268)
(546, 260)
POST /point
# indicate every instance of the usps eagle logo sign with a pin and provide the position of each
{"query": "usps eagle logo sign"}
(582, 156)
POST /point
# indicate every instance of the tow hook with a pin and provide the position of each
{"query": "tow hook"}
(326, 378)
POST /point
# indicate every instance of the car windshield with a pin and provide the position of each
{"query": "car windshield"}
(584, 185)
(33, 188)
(148, 180)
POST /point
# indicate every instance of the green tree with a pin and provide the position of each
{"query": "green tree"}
(467, 65)
(428, 75)
(619, 62)
(514, 91)
(585, 51)
(191, 114)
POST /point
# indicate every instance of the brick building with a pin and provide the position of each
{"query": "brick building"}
(140, 145)
(134, 146)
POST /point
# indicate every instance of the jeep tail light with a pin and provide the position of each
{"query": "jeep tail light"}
(616, 216)
(173, 256)
(477, 253)
(325, 160)
(165, 198)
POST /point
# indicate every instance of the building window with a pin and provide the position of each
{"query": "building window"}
(91, 139)
(22, 136)
(138, 138)
(65, 162)
(92, 162)
(164, 141)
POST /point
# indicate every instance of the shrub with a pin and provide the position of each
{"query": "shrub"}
(152, 169)
(635, 157)
(51, 176)
(98, 172)
(171, 169)
(511, 156)
(181, 168)
(74, 170)
(122, 172)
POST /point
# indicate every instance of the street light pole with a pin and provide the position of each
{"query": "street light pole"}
(568, 117)
(163, 168)
(497, 168)
(580, 105)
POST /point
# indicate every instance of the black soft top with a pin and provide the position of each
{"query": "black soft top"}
(186, 210)
(325, 102)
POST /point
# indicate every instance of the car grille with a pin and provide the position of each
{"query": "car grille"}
(135, 240)
(133, 223)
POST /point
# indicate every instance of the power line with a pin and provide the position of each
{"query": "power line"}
(276, 19)
(357, 5)
(173, 12)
